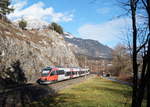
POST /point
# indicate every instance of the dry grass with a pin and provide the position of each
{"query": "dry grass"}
(91, 93)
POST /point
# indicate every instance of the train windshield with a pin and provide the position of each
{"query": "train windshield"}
(45, 72)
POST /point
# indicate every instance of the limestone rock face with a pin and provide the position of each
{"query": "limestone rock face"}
(34, 49)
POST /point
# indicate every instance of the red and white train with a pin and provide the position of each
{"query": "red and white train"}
(53, 74)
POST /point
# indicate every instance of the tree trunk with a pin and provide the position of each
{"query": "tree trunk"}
(135, 69)
(148, 94)
(148, 69)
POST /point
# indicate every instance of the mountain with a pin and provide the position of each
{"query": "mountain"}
(88, 47)
(35, 49)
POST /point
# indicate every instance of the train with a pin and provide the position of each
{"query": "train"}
(54, 74)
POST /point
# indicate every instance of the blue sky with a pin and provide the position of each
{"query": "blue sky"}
(82, 18)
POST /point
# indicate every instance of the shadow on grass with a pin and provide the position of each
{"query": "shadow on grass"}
(25, 95)
(69, 100)
(59, 100)
(14, 90)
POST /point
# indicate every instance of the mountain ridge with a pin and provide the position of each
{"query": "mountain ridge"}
(87, 47)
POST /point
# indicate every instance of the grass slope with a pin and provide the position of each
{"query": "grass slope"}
(94, 92)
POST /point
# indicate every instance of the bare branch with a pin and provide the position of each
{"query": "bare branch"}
(143, 44)
(144, 3)
(147, 8)
(136, 2)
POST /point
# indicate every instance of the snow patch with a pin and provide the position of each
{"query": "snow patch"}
(68, 35)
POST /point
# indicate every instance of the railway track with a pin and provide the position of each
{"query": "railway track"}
(67, 83)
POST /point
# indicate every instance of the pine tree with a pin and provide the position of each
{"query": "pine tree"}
(4, 8)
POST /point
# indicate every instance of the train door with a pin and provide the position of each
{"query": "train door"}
(68, 75)
(71, 74)
(53, 76)
(61, 75)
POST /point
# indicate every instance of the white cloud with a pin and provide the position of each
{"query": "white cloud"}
(108, 33)
(19, 5)
(38, 11)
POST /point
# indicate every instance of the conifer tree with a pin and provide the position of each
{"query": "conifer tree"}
(4, 8)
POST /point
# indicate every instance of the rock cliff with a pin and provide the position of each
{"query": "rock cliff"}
(34, 49)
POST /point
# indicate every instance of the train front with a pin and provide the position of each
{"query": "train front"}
(45, 75)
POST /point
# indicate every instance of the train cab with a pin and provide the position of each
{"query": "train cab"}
(48, 75)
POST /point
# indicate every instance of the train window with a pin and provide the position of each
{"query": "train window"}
(45, 73)
(79, 72)
(68, 74)
(60, 72)
(73, 73)
(52, 73)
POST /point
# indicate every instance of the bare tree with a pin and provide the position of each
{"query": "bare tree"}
(139, 85)
(140, 34)
(121, 62)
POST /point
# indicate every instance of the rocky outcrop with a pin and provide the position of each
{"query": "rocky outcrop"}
(34, 49)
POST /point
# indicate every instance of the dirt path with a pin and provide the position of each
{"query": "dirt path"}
(119, 81)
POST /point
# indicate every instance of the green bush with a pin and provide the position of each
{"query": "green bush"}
(56, 27)
(22, 24)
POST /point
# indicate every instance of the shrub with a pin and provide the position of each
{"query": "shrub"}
(56, 27)
(22, 24)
